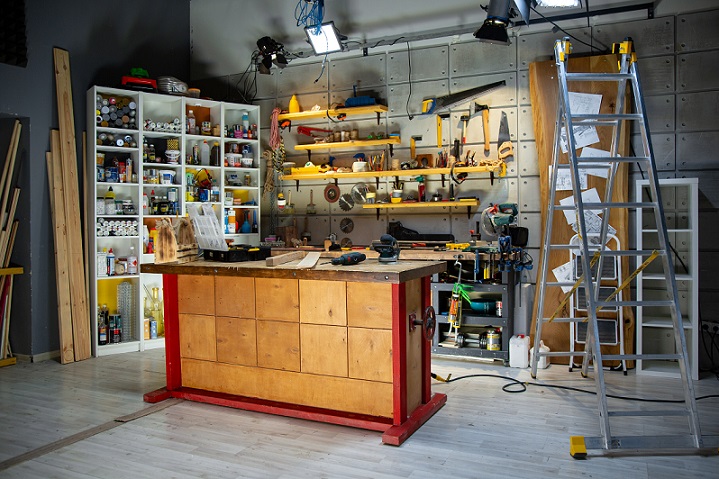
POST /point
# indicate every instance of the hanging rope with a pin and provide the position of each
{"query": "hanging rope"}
(275, 137)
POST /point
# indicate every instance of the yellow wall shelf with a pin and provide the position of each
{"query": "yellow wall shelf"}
(336, 145)
(333, 112)
(334, 175)
(469, 203)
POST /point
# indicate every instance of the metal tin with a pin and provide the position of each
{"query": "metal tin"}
(498, 305)
(494, 341)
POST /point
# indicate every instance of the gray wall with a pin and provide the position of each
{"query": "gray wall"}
(677, 54)
(105, 39)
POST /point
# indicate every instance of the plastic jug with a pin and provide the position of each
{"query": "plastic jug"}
(544, 360)
(519, 351)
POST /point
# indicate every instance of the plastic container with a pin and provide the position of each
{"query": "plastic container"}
(544, 360)
(205, 154)
(519, 351)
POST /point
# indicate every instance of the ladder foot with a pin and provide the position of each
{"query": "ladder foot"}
(584, 375)
(577, 448)
(534, 376)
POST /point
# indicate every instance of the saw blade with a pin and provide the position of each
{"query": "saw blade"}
(346, 202)
(347, 225)
(345, 243)
(359, 193)
(332, 193)
(503, 130)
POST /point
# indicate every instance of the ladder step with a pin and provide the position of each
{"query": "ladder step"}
(559, 283)
(606, 117)
(610, 252)
(651, 442)
(604, 159)
(599, 76)
(668, 412)
(641, 357)
(565, 320)
(561, 353)
(594, 205)
(645, 303)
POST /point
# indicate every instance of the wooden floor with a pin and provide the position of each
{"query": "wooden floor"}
(481, 432)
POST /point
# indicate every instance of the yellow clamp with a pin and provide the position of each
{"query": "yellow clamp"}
(459, 246)
(565, 49)
(625, 48)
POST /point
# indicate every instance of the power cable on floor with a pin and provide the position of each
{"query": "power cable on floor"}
(522, 385)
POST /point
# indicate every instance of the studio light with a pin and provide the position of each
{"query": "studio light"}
(324, 38)
(494, 28)
(270, 52)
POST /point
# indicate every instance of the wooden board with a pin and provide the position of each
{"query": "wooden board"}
(544, 96)
(277, 299)
(284, 258)
(340, 394)
(236, 341)
(235, 297)
(370, 354)
(197, 294)
(413, 295)
(323, 302)
(323, 350)
(71, 197)
(278, 345)
(198, 337)
(369, 305)
(62, 281)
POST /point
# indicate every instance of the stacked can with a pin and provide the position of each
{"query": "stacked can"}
(116, 227)
(175, 126)
(115, 111)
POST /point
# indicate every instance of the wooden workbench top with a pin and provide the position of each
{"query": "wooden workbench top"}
(370, 270)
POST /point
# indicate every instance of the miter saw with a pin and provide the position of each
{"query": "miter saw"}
(388, 249)
(495, 220)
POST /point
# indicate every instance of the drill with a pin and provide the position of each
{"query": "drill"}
(349, 258)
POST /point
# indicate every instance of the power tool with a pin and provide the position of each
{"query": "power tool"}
(388, 249)
(349, 258)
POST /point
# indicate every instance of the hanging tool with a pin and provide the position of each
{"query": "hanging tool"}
(311, 210)
(332, 193)
(307, 131)
(464, 119)
(440, 119)
(349, 259)
(485, 124)
(442, 104)
(504, 144)
(306, 235)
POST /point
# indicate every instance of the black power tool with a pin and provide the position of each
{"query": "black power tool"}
(349, 258)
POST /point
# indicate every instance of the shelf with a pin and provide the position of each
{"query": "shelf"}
(333, 175)
(421, 204)
(117, 237)
(661, 277)
(106, 183)
(161, 134)
(118, 217)
(202, 138)
(336, 145)
(349, 111)
(117, 276)
(154, 343)
(161, 165)
(232, 139)
(123, 347)
(475, 320)
(107, 129)
(116, 149)
(660, 322)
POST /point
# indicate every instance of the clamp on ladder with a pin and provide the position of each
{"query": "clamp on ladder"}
(591, 250)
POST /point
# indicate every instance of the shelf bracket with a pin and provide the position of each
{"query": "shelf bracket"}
(378, 118)
(297, 185)
(443, 179)
(377, 214)
(309, 155)
(376, 182)
(337, 183)
(491, 177)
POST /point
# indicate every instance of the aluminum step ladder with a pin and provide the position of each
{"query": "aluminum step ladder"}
(592, 250)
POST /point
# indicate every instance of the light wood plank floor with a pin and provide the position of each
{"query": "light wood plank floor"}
(481, 432)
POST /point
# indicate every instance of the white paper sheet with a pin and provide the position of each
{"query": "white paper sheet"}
(589, 196)
(564, 179)
(582, 104)
(563, 274)
(589, 152)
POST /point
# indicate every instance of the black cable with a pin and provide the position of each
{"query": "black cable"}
(606, 49)
(523, 385)
(409, 78)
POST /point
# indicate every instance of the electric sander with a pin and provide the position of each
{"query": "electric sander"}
(388, 249)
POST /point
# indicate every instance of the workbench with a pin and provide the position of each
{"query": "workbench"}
(335, 344)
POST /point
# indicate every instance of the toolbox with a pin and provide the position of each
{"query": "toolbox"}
(238, 253)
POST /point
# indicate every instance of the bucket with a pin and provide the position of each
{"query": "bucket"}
(519, 351)
(544, 360)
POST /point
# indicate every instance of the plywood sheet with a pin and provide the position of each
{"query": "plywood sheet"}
(324, 349)
(370, 354)
(277, 299)
(236, 341)
(544, 94)
(369, 305)
(235, 297)
(278, 345)
(197, 337)
(196, 294)
(339, 394)
(414, 346)
(323, 302)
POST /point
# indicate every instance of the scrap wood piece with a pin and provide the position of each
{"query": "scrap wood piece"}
(309, 261)
(284, 258)
(68, 153)
(166, 247)
(9, 170)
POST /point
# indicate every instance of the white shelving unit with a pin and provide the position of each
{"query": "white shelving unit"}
(160, 120)
(680, 198)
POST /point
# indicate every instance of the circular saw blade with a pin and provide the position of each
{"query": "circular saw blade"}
(346, 202)
(346, 243)
(347, 225)
(332, 193)
(359, 193)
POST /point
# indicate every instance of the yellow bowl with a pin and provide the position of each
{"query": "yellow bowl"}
(396, 200)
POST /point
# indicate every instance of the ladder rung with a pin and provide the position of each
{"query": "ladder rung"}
(604, 159)
(646, 304)
(640, 357)
(606, 117)
(652, 442)
(564, 246)
(561, 353)
(565, 320)
(560, 283)
(599, 76)
(626, 204)
(668, 412)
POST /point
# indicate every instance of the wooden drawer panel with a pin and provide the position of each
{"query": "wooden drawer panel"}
(278, 345)
(324, 349)
(235, 297)
(369, 305)
(370, 354)
(339, 394)
(196, 294)
(236, 341)
(277, 299)
(197, 337)
(323, 302)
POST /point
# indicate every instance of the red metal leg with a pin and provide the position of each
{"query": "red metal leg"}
(172, 331)
(426, 345)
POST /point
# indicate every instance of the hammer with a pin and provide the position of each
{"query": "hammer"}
(464, 119)
(412, 144)
(485, 124)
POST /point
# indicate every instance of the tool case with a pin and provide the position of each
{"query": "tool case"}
(238, 253)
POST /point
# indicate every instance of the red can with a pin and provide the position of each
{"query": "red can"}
(498, 305)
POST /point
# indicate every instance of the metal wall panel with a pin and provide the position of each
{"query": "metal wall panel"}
(397, 96)
(365, 72)
(216, 87)
(527, 158)
(709, 234)
(523, 90)
(266, 107)
(339, 97)
(266, 84)
(525, 126)
(533, 222)
(503, 96)
(423, 126)
(697, 71)
(427, 64)
(529, 195)
(537, 47)
(660, 112)
(476, 58)
(651, 37)
(663, 146)
(697, 31)
(698, 151)
(294, 80)
(697, 111)
(656, 74)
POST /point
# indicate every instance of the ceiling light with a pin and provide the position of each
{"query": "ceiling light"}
(324, 38)
(558, 3)
(494, 28)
